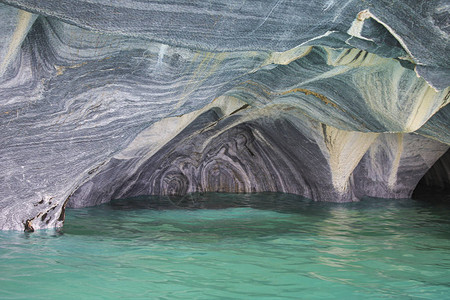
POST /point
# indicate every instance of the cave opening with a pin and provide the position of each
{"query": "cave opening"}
(282, 154)
(435, 184)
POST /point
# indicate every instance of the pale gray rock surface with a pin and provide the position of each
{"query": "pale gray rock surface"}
(332, 100)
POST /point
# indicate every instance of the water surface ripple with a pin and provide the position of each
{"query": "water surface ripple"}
(217, 246)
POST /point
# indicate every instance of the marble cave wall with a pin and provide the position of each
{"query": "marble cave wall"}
(333, 100)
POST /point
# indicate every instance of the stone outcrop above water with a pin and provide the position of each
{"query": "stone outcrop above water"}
(332, 100)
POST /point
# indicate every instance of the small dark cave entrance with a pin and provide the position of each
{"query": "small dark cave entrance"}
(435, 184)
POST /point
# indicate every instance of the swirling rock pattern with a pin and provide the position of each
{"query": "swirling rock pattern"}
(333, 100)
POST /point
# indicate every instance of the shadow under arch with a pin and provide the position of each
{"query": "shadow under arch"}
(435, 184)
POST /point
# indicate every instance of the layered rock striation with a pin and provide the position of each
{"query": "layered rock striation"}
(332, 100)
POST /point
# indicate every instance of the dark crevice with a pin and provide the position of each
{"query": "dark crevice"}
(435, 184)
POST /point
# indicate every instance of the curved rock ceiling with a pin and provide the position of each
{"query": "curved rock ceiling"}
(333, 100)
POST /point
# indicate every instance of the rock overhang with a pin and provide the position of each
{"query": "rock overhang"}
(333, 100)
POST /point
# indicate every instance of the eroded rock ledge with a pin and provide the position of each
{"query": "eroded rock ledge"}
(332, 100)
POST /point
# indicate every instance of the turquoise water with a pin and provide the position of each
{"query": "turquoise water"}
(259, 246)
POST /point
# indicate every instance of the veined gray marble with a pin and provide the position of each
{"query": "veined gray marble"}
(333, 100)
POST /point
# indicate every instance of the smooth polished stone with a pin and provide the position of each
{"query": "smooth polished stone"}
(106, 99)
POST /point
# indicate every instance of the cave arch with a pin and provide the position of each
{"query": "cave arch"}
(435, 184)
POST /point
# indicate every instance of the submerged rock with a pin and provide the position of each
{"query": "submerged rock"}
(332, 100)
